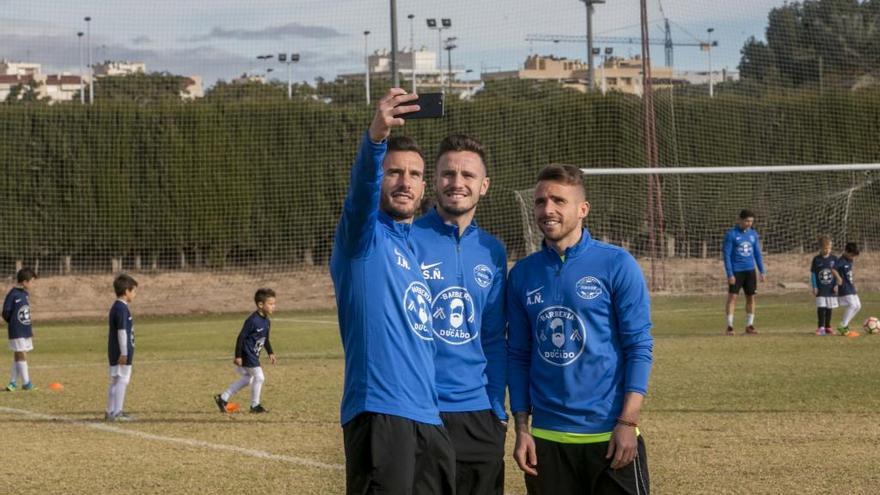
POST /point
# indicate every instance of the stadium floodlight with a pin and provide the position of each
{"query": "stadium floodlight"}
(709, 51)
(82, 76)
(88, 20)
(445, 23)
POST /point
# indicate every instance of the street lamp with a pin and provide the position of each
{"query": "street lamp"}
(450, 45)
(88, 20)
(294, 57)
(82, 77)
(367, 66)
(444, 24)
(264, 58)
(709, 50)
(412, 50)
(589, 4)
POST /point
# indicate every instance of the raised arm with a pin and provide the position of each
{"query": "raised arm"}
(362, 202)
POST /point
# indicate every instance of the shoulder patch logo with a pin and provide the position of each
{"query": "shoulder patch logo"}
(589, 288)
(483, 275)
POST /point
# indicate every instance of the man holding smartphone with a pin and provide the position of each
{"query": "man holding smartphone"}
(394, 439)
(466, 270)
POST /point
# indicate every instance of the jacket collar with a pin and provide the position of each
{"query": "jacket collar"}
(399, 229)
(573, 251)
(437, 223)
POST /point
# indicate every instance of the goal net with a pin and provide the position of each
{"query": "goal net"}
(682, 254)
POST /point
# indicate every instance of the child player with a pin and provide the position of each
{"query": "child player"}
(824, 279)
(120, 347)
(846, 294)
(17, 314)
(253, 337)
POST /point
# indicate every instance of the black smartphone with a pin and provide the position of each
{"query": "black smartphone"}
(431, 107)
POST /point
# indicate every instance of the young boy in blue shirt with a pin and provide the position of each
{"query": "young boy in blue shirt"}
(120, 347)
(254, 336)
(17, 314)
(824, 280)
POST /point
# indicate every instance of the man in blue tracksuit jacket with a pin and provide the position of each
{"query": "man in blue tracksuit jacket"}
(742, 253)
(394, 439)
(466, 270)
(580, 352)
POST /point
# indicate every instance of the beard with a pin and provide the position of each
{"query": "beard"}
(397, 212)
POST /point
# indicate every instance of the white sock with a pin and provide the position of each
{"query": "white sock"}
(14, 372)
(750, 319)
(239, 384)
(730, 320)
(111, 395)
(257, 385)
(23, 372)
(849, 313)
(119, 401)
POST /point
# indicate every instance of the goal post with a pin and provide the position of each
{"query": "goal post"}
(793, 204)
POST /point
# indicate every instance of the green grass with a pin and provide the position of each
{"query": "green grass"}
(783, 412)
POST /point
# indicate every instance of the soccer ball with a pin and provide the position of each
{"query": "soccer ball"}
(872, 325)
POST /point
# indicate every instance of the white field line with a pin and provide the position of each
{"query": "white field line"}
(147, 362)
(189, 442)
(310, 322)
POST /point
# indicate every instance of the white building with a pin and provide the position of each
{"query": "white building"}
(18, 68)
(702, 77)
(119, 68)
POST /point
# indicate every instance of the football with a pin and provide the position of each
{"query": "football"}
(872, 325)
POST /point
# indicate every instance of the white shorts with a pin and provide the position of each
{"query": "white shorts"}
(122, 371)
(23, 344)
(826, 302)
(850, 300)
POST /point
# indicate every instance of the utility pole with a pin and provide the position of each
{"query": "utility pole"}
(82, 76)
(412, 51)
(591, 83)
(367, 67)
(88, 20)
(395, 77)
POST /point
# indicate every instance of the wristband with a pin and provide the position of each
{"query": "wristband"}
(624, 422)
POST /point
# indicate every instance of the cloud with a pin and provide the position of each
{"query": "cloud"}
(292, 29)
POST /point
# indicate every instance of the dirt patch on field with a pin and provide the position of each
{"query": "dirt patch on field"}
(90, 296)
(181, 293)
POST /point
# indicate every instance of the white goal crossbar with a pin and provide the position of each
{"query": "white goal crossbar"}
(732, 170)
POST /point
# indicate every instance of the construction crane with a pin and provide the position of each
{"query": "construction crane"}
(623, 40)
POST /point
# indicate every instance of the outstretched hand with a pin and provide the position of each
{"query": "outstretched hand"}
(387, 113)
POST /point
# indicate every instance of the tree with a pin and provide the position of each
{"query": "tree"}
(25, 93)
(816, 43)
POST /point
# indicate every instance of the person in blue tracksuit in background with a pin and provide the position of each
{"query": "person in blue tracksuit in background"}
(394, 439)
(579, 352)
(466, 269)
(742, 253)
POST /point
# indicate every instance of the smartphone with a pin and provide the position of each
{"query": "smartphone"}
(431, 107)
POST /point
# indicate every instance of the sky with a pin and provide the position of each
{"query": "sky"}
(220, 39)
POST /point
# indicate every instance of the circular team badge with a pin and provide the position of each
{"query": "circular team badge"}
(452, 311)
(560, 335)
(744, 249)
(417, 302)
(589, 288)
(483, 275)
(826, 277)
(24, 315)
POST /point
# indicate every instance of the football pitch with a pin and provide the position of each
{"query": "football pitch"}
(782, 412)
